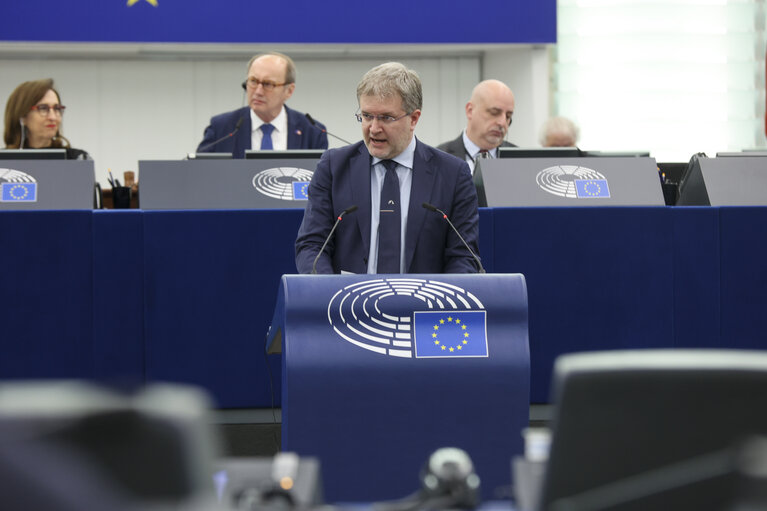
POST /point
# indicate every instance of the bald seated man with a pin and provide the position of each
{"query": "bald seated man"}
(488, 117)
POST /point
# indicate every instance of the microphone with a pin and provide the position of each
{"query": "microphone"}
(350, 209)
(23, 133)
(437, 210)
(314, 123)
(233, 133)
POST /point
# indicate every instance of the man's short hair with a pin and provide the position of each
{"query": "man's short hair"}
(393, 78)
(290, 66)
(559, 126)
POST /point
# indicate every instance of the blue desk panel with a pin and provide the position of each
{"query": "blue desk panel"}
(46, 294)
(188, 295)
(118, 295)
(209, 292)
(597, 279)
(743, 277)
(695, 261)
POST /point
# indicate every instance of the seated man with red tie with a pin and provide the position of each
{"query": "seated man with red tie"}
(488, 117)
(266, 123)
(382, 183)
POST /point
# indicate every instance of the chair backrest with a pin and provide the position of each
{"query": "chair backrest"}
(651, 429)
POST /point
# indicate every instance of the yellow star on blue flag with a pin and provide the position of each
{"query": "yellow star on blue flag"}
(151, 2)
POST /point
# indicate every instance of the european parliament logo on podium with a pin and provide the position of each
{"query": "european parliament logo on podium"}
(17, 186)
(410, 318)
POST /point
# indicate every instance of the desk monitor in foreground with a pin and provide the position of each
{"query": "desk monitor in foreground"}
(46, 184)
(651, 429)
(568, 181)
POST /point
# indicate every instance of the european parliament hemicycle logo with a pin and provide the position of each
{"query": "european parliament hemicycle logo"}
(284, 183)
(573, 181)
(17, 186)
(410, 318)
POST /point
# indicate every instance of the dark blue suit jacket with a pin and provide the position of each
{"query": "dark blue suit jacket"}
(342, 179)
(301, 133)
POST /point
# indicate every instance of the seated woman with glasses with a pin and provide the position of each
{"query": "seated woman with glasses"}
(33, 116)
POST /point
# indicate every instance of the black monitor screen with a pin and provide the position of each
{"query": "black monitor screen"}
(209, 156)
(289, 154)
(33, 154)
(538, 152)
(618, 154)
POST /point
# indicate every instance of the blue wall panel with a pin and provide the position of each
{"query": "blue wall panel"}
(298, 21)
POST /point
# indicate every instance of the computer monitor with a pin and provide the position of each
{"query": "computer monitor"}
(618, 154)
(208, 156)
(253, 154)
(747, 152)
(648, 429)
(538, 152)
(33, 154)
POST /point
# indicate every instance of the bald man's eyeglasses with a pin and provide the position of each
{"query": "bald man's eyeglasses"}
(253, 83)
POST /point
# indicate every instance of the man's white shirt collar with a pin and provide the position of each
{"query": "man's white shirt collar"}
(472, 149)
(280, 122)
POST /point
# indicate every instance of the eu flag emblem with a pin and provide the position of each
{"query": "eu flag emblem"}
(592, 188)
(300, 190)
(19, 192)
(450, 334)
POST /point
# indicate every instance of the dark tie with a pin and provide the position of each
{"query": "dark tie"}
(483, 154)
(266, 140)
(389, 222)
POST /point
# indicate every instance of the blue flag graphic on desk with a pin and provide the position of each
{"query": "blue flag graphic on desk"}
(300, 190)
(19, 192)
(592, 188)
(445, 334)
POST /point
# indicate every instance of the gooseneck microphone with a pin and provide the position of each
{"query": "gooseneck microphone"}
(314, 123)
(437, 210)
(233, 133)
(23, 133)
(350, 209)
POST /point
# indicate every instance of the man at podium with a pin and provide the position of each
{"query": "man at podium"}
(373, 193)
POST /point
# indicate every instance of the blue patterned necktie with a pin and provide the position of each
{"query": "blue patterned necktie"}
(266, 140)
(389, 223)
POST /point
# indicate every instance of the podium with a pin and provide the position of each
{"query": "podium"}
(381, 370)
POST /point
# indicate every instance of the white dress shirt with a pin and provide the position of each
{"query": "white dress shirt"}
(404, 172)
(279, 135)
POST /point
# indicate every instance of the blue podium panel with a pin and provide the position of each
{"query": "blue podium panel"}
(743, 277)
(599, 279)
(118, 269)
(696, 270)
(46, 301)
(381, 370)
(208, 298)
